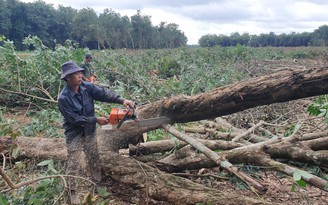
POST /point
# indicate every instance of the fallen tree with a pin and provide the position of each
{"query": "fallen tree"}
(278, 87)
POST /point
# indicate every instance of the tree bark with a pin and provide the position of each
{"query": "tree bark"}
(299, 151)
(157, 184)
(166, 187)
(187, 159)
(278, 87)
(168, 145)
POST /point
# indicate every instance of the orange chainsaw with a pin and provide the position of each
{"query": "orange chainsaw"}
(127, 119)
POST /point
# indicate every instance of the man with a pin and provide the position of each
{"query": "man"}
(76, 103)
(88, 74)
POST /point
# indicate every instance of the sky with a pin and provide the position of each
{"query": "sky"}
(197, 18)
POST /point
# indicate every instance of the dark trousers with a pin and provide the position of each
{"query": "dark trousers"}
(83, 156)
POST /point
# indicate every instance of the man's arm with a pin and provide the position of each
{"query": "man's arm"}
(106, 95)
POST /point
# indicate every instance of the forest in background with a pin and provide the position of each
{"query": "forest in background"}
(110, 30)
(88, 29)
(319, 37)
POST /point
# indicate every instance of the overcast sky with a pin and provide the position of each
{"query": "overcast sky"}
(200, 17)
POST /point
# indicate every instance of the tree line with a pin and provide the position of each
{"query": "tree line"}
(318, 37)
(109, 29)
(106, 30)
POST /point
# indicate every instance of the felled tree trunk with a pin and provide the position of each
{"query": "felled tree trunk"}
(157, 184)
(36, 147)
(166, 187)
(278, 87)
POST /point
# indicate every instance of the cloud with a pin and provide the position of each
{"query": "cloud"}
(200, 17)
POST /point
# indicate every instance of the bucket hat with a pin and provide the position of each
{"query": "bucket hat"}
(68, 68)
(88, 55)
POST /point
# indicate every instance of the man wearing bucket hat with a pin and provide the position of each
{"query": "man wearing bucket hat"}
(88, 74)
(76, 103)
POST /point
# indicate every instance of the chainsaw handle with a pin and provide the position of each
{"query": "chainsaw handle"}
(126, 116)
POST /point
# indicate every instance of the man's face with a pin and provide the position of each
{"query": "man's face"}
(74, 79)
(88, 59)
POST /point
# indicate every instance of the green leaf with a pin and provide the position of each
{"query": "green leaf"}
(45, 162)
(301, 183)
(105, 202)
(15, 152)
(3, 199)
(293, 186)
(35, 201)
(322, 112)
(103, 191)
(297, 175)
(53, 170)
(305, 174)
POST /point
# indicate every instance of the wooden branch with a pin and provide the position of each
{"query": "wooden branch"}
(168, 145)
(25, 183)
(200, 175)
(297, 151)
(223, 124)
(249, 131)
(42, 89)
(214, 157)
(28, 95)
(213, 133)
(7, 179)
(317, 144)
(314, 180)
(310, 136)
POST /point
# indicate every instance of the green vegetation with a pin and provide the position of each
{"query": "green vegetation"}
(320, 107)
(297, 177)
(106, 30)
(319, 37)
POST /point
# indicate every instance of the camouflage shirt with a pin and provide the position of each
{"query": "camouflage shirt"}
(88, 69)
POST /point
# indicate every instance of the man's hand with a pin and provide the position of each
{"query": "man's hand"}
(128, 103)
(102, 121)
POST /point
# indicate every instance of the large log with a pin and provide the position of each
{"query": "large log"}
(278, 87)
(166, 187)
(156, 184)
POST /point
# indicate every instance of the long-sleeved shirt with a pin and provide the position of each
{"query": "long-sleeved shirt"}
(88, 69)
(78, 108)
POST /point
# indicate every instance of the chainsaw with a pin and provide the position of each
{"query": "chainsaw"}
(127, 119)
